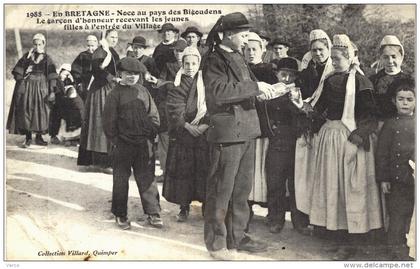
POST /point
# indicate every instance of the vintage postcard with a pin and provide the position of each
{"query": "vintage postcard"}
(178, 132)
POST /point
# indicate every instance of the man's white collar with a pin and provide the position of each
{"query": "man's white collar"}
(168, 42)
(225, 48)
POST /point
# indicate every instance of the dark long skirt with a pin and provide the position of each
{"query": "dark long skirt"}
(186, 171)
(94, 146)
(29, 109)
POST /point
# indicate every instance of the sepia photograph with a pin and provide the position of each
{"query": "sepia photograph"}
(210, 132)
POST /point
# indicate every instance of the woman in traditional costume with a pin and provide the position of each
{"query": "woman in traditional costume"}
(94, 146)
(391, 58)
(311, 83)
(263, 72)
(187, 160)
(35, 76)
(345, 196)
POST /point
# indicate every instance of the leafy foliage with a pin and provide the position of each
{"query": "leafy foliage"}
(365, 29)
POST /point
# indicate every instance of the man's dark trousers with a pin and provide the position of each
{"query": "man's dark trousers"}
(124, 157)
(228, 187)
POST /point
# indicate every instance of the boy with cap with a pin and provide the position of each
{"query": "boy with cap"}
(81, 68)
(280, 160)
(130, 122)
(231, 89)
(163, 52)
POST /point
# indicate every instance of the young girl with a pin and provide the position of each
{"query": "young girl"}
(263, 72)
(344, 194)
(35, 76)
(186, 169)
(396, 147)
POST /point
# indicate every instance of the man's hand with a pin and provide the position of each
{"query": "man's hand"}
(281, 89)
(386, 187)
(267, 91)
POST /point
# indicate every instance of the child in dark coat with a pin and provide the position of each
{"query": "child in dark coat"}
(396, 147)
(280, 160)
(131, 122)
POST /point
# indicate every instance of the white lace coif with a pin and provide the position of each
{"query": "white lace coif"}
(343, 41)
(391, 40)
(318, 34)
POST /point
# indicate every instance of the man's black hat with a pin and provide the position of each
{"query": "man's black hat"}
(191, 29)
(287, 63)
(139, 41)
(233, 21)
(280, 41)
(168, 27)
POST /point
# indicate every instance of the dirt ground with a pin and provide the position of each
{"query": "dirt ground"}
(54, 206)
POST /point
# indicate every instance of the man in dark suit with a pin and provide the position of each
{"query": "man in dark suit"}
(139, 45)
(231, 89)
(163, 52)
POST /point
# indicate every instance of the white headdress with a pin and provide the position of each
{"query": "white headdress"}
(343, 41)
(315, 35)
(201, 94)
